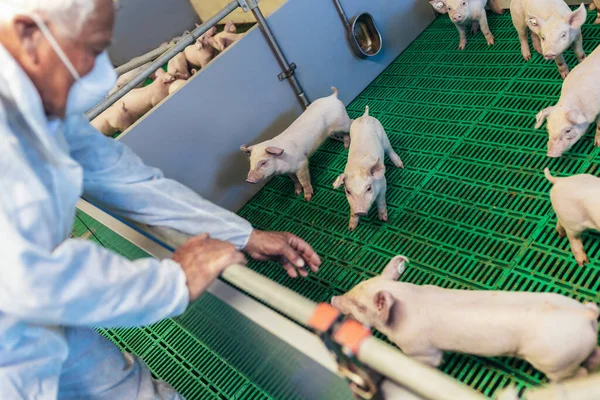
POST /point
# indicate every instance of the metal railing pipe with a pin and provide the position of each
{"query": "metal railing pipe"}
(162, 60)
(143, 59)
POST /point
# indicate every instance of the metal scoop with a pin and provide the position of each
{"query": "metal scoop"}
(363, 36)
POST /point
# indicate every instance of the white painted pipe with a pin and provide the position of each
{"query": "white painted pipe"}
(584, 388)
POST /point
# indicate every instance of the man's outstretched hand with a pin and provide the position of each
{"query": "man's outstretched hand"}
(203, 259)
(291, 251)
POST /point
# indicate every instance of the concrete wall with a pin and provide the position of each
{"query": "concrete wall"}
(142, 25)
(194, 136)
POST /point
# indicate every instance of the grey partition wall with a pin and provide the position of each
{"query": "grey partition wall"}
(194, 135)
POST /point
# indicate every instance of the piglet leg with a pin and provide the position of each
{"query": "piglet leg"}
(561, 230)
(563, 68)
(597, 138)
(297, 185)
(486, 29)
(463, 36)
(382, 206)
(353, 221)
(303, 175)
(578, 49)
(577, 248)
(537, 44)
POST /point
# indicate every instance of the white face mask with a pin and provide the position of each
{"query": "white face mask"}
(89, 90)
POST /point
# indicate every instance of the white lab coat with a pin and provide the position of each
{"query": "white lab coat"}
(52, 289)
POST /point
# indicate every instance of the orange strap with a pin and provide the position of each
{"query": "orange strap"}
(351, 334)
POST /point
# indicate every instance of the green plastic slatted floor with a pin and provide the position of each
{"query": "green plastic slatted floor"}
(212, 351)
(471, 208)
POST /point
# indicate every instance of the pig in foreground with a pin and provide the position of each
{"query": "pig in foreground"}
(140, 101)
(577, 108)
(364, 175)
(465, 12)
(229, 36)
(202, 52)
(554, 27)
(116, 118)
(288, 152)
(175, 86)
(556, 334)
(576, 202)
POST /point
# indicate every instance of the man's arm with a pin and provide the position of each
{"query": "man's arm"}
(117, 179)
(80, 283)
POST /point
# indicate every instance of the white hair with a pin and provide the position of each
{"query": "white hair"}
(70, 15)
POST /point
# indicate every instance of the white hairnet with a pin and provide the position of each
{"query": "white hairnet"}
(70, 15)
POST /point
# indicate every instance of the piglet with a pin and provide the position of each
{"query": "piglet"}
(577, 108)
(128, 76)
(441, 7)
(288, 152)
(140, 101)
(554, 27)
(116, 118)
(556, 334)
(364, 175)
(178, 67)
(229, 36)
(465, 12)
(576, 202)
(202, 52)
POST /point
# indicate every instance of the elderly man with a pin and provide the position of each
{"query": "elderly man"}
(52, 290)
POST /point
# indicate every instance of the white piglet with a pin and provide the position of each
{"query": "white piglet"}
(554, 27)
(577, 108)
(467, 12)
(140, 101)
(576, 202)
(364, 175)
(441, 7)
(288, 152)
(117, 118)
(556, 334)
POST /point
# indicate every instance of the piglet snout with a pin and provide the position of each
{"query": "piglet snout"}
(550, 56)
(457, 17)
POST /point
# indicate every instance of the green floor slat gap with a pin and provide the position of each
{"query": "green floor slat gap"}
(471, 208)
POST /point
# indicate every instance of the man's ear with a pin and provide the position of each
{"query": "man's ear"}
(394, 269)
(378, 169)
(384, 301)
(29, 35)
(339, 181)
(575, 116)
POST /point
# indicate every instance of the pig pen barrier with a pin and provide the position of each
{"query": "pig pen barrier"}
(470, 210)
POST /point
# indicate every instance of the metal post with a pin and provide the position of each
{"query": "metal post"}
(162, 60)
(288, 70)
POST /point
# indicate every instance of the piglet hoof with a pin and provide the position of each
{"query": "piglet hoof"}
(582, 260)
(462, 44)
(526, 55)
(562, 234)
(597, 141)
(564, 73)
(352, 227)
(298, 192)
(383, 216)
(490, 40)
(308, 196)
(597, 21)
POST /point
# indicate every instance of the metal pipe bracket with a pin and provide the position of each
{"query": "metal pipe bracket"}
(343, 336)
(248, 5)
(287, 74)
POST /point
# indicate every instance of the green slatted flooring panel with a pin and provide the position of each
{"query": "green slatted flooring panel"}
(471, 208)
(212, 351)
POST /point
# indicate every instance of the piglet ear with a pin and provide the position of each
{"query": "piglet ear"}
(274, 151)
(577, 17)
(246, 149)
(439, 6)
(575, 116)
(534, 23)
(199, 44)
(168, 78)
(230, 27)
(384, 301)
(339, 181)
(378, 169)
(394, 269)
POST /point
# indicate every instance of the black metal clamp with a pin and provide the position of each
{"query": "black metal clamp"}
(342, 336)
(287, 74)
